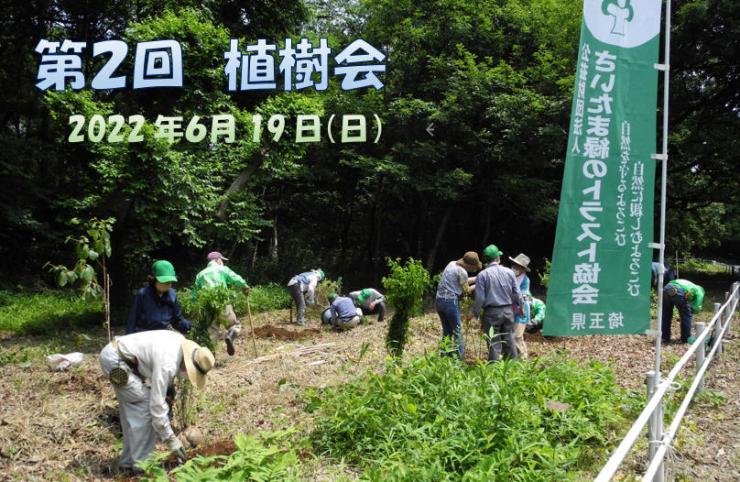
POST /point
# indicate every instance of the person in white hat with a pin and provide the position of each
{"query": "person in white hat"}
(158, 356)
(520, 267)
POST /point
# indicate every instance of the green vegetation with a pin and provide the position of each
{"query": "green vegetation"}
(267, 297)
(263, 457)
(404, 289)
(46, 312)
(433, 419)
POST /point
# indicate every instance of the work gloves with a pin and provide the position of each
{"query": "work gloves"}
(175, 447)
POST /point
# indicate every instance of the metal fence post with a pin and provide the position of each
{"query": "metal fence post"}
(655, 426)
(717, 328)
(700, 352)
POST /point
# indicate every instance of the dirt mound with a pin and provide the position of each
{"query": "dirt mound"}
(269, 331)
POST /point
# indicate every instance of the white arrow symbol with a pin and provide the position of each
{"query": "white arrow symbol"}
(430, 129)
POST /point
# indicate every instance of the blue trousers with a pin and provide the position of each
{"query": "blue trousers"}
(684, 310)
(449, 314)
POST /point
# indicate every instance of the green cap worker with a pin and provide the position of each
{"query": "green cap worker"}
(370, 301)
(687, 297)
(218, 274)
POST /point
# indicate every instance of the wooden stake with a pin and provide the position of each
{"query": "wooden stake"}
(251, 325)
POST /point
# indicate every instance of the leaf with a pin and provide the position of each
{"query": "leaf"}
(88, 273)
(62, 278)
(92, 255)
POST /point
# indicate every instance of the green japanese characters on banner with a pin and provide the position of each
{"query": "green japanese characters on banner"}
(600, 280)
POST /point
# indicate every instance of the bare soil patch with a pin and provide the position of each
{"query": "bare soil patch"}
(64, 426)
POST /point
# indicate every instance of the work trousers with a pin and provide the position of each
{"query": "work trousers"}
(497, 326)
(139, 437)
(297, 295)
(378, 310)
(449, 315)
(684, 310)
(343, 324)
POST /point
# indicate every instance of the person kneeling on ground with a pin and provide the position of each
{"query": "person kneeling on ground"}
(370, 301)
(537, 316)
(304, 283)
(218, 274)
(159, 356)
(156, 307)
(344, 313)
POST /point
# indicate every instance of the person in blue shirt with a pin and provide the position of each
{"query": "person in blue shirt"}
(155, 306)
(343, 312)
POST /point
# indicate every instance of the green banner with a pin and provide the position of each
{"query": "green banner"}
(600, 279)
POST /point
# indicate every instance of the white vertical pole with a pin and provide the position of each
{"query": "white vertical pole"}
(663, 182)
(700, 327)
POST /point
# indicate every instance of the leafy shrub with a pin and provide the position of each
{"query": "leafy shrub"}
(257, 458)
(205, 311)
(404, 290)
(430, 419)
(325, 288)
(267, 297)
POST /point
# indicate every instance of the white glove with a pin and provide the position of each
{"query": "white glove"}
(176, 448)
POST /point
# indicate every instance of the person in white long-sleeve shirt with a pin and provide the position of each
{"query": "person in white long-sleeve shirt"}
(157, 356)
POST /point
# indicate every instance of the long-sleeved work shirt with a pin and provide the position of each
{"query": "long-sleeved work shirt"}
(158, 356)
(538, 309)
(308, 282)
(217, 275)
(343, 308)
(453, 281)
(496, 286)
(373, 296)
(697, 293)
(152, 311)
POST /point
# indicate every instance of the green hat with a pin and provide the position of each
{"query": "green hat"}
(322, 276)
(332, 296)
(364, 295)
(492, 252)
(163, 271)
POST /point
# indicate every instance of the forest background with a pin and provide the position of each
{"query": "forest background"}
(495, 77)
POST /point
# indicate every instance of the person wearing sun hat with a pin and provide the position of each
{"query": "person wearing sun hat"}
(520, 266)
(370, 301)
(155, 306)
(454, 283)
(159, 356)
(304, 284)
(496, 293)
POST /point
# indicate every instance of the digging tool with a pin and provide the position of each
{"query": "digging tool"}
(251, 325)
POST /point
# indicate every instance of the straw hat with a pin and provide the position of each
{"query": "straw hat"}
(470, 261)
(198, 362)
(521, 260)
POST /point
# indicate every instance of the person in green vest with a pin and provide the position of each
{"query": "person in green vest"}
(687, 297)
(218, 274)
(537, 316)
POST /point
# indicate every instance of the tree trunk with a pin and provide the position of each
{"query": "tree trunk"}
(274, 240)
(236, 186)
(438, 239)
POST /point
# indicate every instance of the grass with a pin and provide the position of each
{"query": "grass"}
(30, 313)
(431, 419)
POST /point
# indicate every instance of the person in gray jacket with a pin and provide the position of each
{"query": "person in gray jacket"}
(370, 301)
(497, 295)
